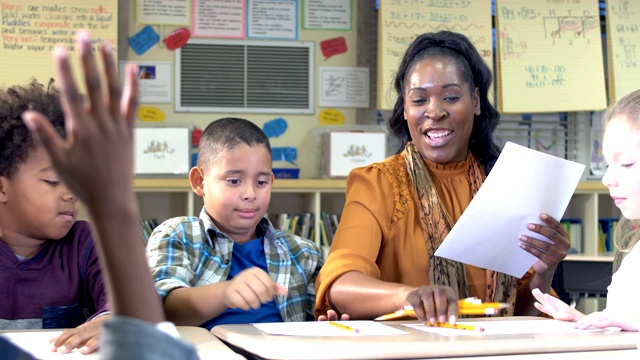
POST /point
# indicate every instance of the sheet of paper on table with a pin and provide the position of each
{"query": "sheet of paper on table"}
(37, 344)
(507, 328)
(323, 328)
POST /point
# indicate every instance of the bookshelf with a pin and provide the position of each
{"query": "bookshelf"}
(163, 198)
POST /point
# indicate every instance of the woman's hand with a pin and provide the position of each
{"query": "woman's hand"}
(549, 254)
(333, 316)
(434, 303)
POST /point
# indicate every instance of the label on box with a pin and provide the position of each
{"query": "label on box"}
(348, 150)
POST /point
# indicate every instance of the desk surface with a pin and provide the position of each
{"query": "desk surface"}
(420, 344)
(208, 346)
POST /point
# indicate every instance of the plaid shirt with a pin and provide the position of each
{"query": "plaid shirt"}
(188, 251)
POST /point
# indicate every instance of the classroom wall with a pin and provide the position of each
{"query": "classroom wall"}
(299, 126)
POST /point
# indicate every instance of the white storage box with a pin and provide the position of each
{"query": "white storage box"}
(162, 151)
(343, 151)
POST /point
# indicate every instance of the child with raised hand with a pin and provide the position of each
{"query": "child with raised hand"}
(49, 271)
(230, 265)
(103, 182)
(621, 149)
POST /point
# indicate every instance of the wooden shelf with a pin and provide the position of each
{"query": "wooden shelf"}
(173, 184)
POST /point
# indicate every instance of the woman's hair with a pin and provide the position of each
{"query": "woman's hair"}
(627, 232)
(471, 68)
(16, 142)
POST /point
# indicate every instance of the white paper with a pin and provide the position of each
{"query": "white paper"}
(37, 344)
(344, 87)
(508, 327)
(273, 19)
(522, 184)
(154, 84)
(324, 328)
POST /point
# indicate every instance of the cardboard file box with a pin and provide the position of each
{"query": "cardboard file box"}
(343, 151)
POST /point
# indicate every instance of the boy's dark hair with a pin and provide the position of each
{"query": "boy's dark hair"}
(471, 68)
(223, 134)
(16, 142)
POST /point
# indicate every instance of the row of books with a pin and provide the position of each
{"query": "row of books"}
(147, 226)
(606, 227)
(303, 225)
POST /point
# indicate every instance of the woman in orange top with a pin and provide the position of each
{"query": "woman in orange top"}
(398, 211)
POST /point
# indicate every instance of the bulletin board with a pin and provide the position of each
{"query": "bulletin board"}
(400, 22)
(30, 30)
(549, 56)
(623, 47)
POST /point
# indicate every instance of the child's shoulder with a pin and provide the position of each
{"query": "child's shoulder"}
(295, 241)
(180, 227)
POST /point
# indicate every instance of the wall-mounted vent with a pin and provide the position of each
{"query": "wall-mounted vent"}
(214, 75)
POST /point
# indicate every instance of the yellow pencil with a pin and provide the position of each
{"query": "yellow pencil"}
(456, 326)
(344, 327)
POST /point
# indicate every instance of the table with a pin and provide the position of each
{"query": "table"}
(254, 344)
(583, 276)
(208, 346)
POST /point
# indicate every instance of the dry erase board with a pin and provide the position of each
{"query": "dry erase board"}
(623, 47)
(549, 56)
(31, 29)
(401, 21)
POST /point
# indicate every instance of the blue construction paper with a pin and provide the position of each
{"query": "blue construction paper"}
(287, 153)
(275, 127)
(144, 40)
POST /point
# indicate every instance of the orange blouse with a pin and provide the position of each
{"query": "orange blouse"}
(380, 233)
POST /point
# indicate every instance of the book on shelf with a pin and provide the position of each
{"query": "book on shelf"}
(573, 228)
(606, 227)
(147, 226)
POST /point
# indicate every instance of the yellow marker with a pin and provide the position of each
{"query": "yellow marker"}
(344, 327)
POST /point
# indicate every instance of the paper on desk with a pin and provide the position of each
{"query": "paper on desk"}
(508, 327)
(522, 184)
(323, 328)
(37, 344)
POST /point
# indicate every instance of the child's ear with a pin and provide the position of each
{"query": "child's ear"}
(196, 179)
(3, 190)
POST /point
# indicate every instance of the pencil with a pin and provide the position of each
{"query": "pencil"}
(344, 327)
(456, 326)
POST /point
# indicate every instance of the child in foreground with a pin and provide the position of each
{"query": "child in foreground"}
(621, 149)
(50, 275)
(229, 265)
(103, 181)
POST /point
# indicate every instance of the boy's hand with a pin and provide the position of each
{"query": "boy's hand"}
(94, 125)
(85, 338)
(250, 289)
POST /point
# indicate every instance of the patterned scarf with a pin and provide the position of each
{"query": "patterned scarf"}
(437, 222)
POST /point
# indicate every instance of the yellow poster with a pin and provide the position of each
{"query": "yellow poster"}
(549, 56)
(400, 22)
(31, 29)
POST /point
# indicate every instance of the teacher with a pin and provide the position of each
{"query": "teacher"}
(398, 211)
